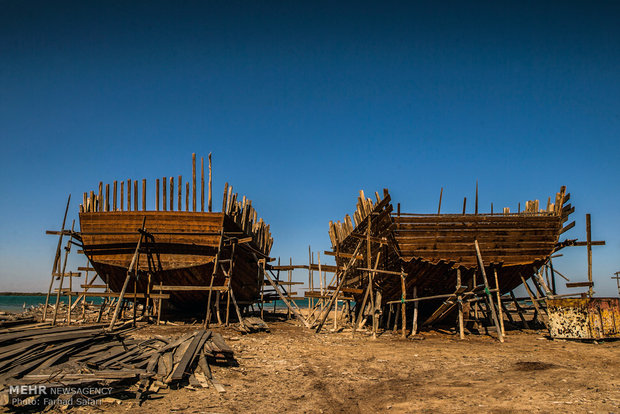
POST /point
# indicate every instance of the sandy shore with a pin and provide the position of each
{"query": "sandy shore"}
(292, 369)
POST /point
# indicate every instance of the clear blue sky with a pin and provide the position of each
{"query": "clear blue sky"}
(304, 103)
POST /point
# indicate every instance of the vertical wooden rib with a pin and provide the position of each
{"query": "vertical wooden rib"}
(440, 195)
(180, 185)
(202, 184)
(193, 181)
(85, 202)
(164, 185)
(171, 193)
(99, 197)
(224, 198)
(128, 195)
(157, 194)
(91, 208)
(210, 183)
(135, 195)
(107, 197)
(122, 200)
(464, 204)
(186, 196)
(144, 194)
(476, 208)
(114, 188)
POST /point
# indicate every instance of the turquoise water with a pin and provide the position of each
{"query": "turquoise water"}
(9, 303)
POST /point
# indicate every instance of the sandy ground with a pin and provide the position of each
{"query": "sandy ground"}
(295, 370)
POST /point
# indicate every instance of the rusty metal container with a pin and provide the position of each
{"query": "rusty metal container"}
(584, 318)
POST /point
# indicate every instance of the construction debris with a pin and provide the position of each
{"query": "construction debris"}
(35, 362)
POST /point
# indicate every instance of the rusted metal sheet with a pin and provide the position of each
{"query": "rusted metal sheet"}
(584, 318)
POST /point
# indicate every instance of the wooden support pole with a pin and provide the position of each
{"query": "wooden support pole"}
(164, 186)
(210, 185)
(589, 247)
(534, 301)
(464, 204)
(180, 194)
(414, 325)
(157, 194)
(486, 288)
(202, 184)
(403, 303)
(194, 182)
(114, 197)
(224, 198)
(215, 266)
(144, 194)
(62, 276)
(345, 272)
(519, 311)
(499, 303)
(159, 301)
(130, 271)
(460, 302)
(122, 200)
(55, 264)
(100, 197)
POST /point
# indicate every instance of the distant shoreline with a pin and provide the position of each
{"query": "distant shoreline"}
(21, 294)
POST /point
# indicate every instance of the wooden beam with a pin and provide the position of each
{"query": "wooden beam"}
(210, 184)
(193, 181)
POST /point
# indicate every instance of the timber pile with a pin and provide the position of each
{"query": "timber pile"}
(251, 324)
(89, 356)
(9, 320)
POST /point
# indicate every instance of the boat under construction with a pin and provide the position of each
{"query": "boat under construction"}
(187, 255)
(442, 263)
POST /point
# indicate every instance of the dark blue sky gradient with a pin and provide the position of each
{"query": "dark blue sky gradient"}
(303, 104)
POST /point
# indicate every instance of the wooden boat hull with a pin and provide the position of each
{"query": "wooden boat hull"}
(430, 250)
(182, 252)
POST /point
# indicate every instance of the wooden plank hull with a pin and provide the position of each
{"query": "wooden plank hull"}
(430, 248)
(182, 253)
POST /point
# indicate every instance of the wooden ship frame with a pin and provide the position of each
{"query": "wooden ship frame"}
(184, 259)
(442, 264)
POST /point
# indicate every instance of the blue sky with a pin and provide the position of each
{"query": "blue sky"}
(304, 103)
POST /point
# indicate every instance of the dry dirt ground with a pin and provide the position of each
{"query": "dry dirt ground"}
(293, 369)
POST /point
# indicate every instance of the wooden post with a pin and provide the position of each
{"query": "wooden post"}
(403, 303)
(210, 183)
(224, 198)
(144, 194)
(122, 195)
(476, 197)
(310, 275)
(130, 272)
(164, 186)
(159, 303)
(180, 195)
(186, 196)
(194, 182)
(589, 247)
(115, 190)
(171, 193)
(62, 276)
(414, 327)
(202, 184)
(486, 288)
(100, 197)
(499, 303)
(55, 264)
(534, 301)
(460, 302)
(464, 204)
(553, 289)
(215, 265)
(135, 195)
(128, 195)
(157, 194)
(438, 209)
(519, 311)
